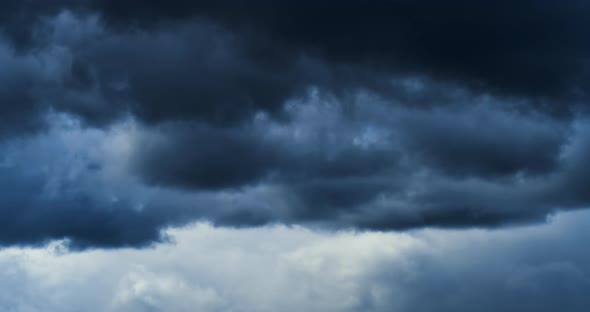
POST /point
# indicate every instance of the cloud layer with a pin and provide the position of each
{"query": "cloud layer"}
(122, 119)
(289, 269)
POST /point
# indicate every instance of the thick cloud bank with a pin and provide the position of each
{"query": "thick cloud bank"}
(540, 268)
(120, 119)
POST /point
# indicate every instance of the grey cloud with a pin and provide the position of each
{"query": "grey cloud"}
(241, 128)
(191, 71)
(202, 157)
(19, 109)
(483, 142)
(539, 269)
(123, 119)
(60, 186)
(537, 49)
(375, 170)
(322, 166)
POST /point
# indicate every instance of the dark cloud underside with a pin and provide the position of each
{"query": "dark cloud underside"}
(375, 115)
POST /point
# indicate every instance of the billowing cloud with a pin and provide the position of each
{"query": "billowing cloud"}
(532, 47)
(289, 269)
(123, 185)
(310, 156)
(122, 119)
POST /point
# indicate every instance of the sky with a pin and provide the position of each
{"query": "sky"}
(384, 155)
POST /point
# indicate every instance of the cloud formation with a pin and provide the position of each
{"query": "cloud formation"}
(121, 119)
(289, 269)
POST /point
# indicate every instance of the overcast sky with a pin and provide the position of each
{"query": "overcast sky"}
(385, 155)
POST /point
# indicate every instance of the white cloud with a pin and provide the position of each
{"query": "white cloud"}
(295, 269)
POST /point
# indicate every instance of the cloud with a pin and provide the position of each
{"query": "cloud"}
(232, 156)
(199, 60)
(381, 167)
(455, 40)
(252, 117)
(322, 166)
(538, 268)
(66, 184)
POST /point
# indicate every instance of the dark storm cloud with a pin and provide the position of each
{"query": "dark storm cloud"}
(378, 172)
(260, 54)
(524, 48)
(67, 184)
(323, 172)
(197, 156)
(28, 219)
(385, 115)
(196, 70)
(484, 143)
(19, 17)
(222, 62)
(50, 191)
(19, 111)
